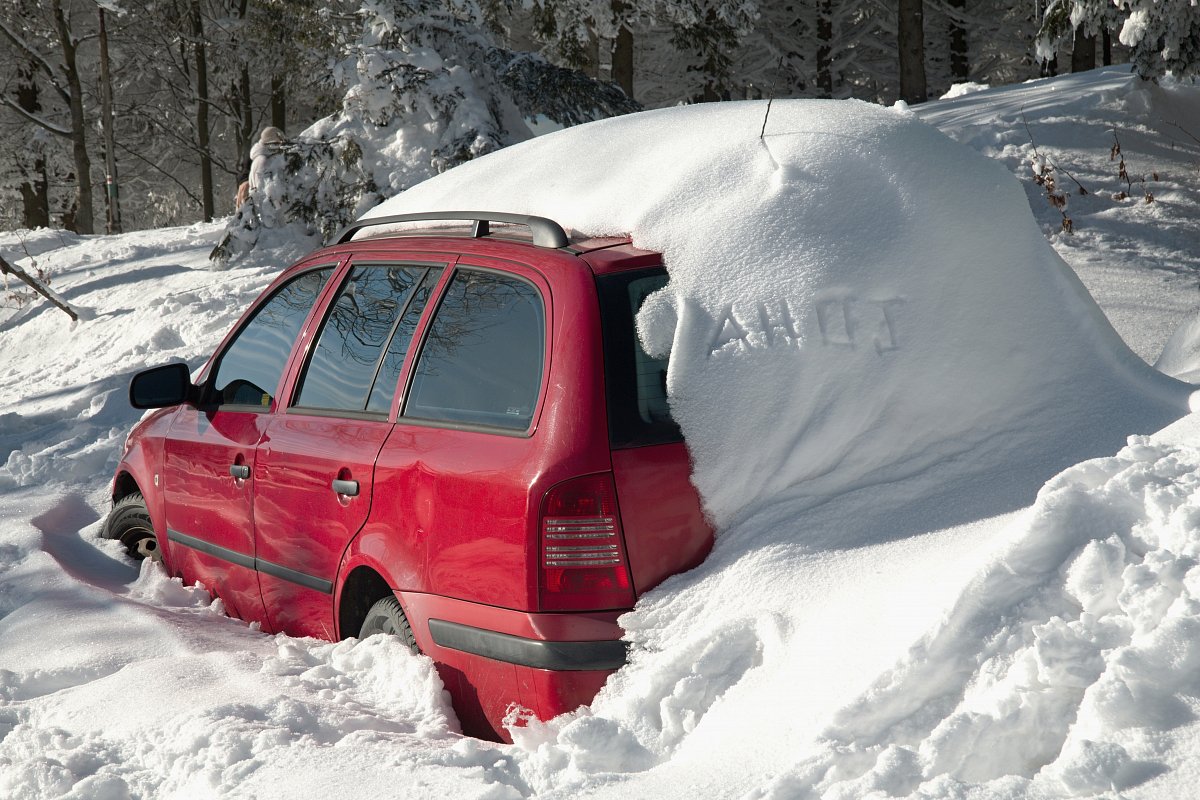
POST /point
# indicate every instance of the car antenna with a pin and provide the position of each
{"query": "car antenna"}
(770, 99)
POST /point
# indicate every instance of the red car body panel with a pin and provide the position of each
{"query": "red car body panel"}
(206, 505)
(448, 516)
(660, 504)
(301, 524)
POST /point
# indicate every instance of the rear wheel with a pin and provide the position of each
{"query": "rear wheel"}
(386, 616)
(129, 522)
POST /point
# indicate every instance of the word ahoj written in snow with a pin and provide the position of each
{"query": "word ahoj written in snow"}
(842, 321)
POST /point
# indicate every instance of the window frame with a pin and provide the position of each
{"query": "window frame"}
(310, 346)
(213, 367)
(526, 275)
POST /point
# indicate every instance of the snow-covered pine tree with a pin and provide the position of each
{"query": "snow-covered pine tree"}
(423, 89)
(1163, 35)
(710, 31)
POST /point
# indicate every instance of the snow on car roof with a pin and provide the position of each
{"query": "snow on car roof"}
(854, 298)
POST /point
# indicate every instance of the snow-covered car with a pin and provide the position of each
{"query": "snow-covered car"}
(869, 339)
(452, 438)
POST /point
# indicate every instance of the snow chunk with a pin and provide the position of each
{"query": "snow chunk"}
(963, 89)
(1181, 354)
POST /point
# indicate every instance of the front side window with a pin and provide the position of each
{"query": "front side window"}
(354, 339)
(250, 368)
(481, 363)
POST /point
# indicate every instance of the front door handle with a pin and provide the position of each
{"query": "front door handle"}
(348, 488)
(240, 471)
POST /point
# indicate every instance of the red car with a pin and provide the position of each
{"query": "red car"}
(455, 439)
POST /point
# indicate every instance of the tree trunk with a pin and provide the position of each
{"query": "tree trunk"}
(202, 134)
(245, 122)
(1106, 49)
(35, 193)
(82, 217)
(1083, 56)
(112, 195)
(911, 35)
(960, 68)
(592, 54)
(278, 102)
(242, 108)
(825, 48)
(622, 54)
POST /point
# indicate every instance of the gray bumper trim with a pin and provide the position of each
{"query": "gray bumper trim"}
(573, 656)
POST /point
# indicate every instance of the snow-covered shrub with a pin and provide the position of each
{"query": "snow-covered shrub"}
(311, 187)
(424, 89)
(1164, 35)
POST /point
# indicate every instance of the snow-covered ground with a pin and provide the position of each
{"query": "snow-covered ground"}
(929, 628)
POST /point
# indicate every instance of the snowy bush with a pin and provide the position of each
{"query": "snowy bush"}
(309, 187)
(1164, 34)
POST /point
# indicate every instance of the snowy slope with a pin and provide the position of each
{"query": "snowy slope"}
(900, 640)
(1137, 259)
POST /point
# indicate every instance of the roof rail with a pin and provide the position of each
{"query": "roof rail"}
(546, 232)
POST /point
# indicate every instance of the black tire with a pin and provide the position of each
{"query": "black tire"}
(386, 616)
(129, 522)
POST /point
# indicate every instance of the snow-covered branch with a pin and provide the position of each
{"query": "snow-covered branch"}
(45, 291)
(32, 52)
(57, 130)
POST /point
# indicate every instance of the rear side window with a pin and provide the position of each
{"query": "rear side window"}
(635, 383)
(481, 363)
(346, 362)
(253, 363)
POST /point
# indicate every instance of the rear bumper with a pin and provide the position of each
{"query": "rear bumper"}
(537, 653)
(494, 659)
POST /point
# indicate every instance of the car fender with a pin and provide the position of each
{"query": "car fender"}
(378, 547)
(142, 462)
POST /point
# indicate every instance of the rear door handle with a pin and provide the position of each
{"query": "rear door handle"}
(348, 488)
(240, 471)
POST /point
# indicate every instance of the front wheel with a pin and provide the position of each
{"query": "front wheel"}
(129, 522)
(386, 616)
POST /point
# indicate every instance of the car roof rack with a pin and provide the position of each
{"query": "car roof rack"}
(546, 232)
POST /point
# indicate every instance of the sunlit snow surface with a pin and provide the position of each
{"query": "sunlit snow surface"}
(924, 625)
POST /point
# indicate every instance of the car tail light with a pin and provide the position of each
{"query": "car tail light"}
(583, 566)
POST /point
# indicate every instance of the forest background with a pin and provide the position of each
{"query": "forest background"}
(130, 114)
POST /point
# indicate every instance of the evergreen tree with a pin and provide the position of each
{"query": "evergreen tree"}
(1163, 35)
(710, 31)
(424, 88)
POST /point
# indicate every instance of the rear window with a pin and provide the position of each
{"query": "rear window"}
(635, 383)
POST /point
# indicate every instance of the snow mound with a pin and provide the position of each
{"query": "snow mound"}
(854, 298)
(1090, 632)
(1181, 354)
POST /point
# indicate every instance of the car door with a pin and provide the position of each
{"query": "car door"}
(313, 471)
(209, 450)
(461, 456)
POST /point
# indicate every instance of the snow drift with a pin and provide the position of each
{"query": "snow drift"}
(854, 298)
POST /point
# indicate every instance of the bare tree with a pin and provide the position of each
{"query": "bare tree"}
(35, 188)
(910, 33)
(61, 73)
(960, 69)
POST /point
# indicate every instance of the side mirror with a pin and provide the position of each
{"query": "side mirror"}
(160, 387)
